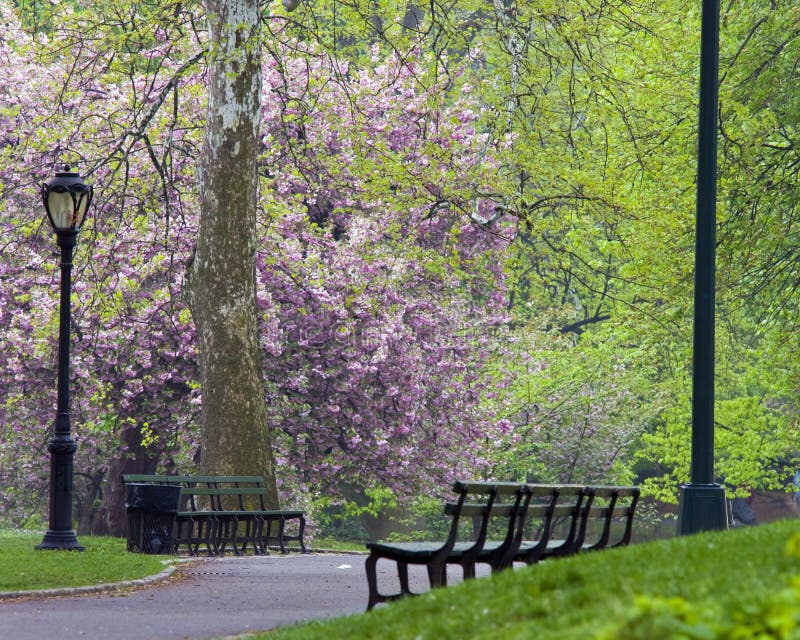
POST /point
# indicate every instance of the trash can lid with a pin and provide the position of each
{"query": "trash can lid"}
(158, 498)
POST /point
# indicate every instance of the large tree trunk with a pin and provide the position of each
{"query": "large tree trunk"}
(110, 518)
(222, 279)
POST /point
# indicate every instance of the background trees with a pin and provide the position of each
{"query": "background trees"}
(470, 254)
(320, 280)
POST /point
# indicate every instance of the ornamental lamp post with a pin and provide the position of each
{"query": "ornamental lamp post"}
(702, 501)
(66, 200)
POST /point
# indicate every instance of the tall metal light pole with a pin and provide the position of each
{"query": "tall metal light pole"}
(66, 200)
(702, 500)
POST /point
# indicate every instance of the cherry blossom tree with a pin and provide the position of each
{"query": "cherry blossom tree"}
(378, 267)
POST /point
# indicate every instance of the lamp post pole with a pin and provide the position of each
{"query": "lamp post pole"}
(702, 500)
(66, 200)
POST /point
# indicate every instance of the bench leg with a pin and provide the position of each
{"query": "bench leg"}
(245, 537)
(210, 537)
(262, 535)
(301, 531)
(405, 585)
(281, 532)
(180, 538)
(402, 573)
(262, 545)
(375, 596)
(234, 537)
(437, 574)
(266, 532)
(203, 529)
(250, 535)
(372, 581)
(469, 570)
(219, 538)
(229, 529)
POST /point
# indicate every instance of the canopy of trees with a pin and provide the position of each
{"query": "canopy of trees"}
(472, 243)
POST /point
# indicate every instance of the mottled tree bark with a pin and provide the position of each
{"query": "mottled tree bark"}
(111, 518)
(222, 277)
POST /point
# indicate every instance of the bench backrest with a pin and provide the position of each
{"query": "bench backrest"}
(150, 478)
(525, 503)
(210, 492)
(185, 481)
(239, 481)
(198, 498)
(205, 498)
(191, 480)
(568, 514)
(540, 509)
(610, 503)
(241, 498)
(506, 511)
(508, 497)
(454, 510)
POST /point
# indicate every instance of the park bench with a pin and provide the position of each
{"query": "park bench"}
(476, 505)
(547, 509)
(559, 534)
(609, 504)
(242, 499)
(217, 511)
(539, 505)
(579, 510)
(495, 508)
(562, 517)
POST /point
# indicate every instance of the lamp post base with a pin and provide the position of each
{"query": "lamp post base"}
(702, 508)
(60, 540)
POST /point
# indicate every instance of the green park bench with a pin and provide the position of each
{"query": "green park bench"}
(218, 511)
(536, 522)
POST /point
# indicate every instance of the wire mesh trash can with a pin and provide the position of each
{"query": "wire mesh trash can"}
(151, 510)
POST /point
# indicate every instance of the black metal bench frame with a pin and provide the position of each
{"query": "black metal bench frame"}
(208, 518)
(432, 554)
(573, 505)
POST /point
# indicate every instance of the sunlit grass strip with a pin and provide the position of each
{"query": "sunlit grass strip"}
(105, 560)
(696, 586)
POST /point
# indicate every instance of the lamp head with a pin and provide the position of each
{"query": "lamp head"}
(66, 199)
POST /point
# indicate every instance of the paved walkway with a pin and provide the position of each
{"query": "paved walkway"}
(209, 598)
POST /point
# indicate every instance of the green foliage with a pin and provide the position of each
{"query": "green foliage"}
(342, 518)
(335, 519)
(755, 431)
(776, 617)
(587, 112)
(579, 407)
(667, 618)
(347, 520)
(768, 615)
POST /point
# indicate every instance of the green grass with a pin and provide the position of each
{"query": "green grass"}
(23, 568)
(720, 585)
(331, 544)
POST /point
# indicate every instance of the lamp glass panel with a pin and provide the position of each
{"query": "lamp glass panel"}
(83, 198)
(61, 207)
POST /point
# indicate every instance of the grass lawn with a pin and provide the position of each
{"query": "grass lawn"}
(728, 585)
(331, 544)
(23, 568)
